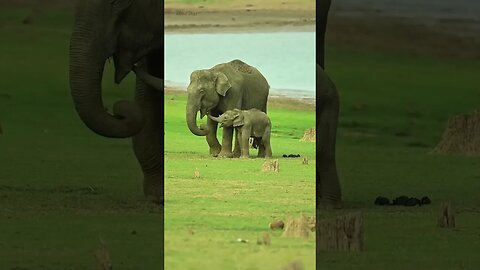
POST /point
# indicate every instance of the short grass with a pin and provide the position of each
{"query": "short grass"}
(233, 198)
(62, 188)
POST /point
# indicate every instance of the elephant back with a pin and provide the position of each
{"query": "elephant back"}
(251, 83)
(243, 67)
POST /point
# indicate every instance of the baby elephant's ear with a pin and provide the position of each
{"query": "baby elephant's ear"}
(239, 120)
(222, 84)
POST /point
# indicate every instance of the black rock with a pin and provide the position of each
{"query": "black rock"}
(381, 201)
(291, 155)
(426, 200)
(412, 202)
(402, 200)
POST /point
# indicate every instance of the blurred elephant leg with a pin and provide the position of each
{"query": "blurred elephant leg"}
(227, 143)
(330, 192)
(211, 138)
(147, 145)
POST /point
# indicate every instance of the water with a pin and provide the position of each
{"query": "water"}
(287, 60)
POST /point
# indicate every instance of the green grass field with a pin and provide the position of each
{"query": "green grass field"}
(62, 188)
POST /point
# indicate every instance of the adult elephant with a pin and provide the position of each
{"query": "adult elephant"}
(130, 32)
(329, 192)
(226, 86)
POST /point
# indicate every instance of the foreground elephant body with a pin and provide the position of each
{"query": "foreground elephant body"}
(130, 32)
(328, 107)
(227, 86)
(328, 104)
(249, 123)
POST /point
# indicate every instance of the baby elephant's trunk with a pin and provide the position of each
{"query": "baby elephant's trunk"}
(216, 119)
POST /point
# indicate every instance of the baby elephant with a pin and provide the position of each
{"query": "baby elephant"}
(248, 123)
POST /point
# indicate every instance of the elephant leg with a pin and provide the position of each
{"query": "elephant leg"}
(227, 143)
(213, 144)
(244, 145)
(261, 150)
(236, 148)
(329, 189)
(147, 144)
(265, 142)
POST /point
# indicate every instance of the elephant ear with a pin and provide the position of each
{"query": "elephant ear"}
(110, 32)
(222, 84)
(239, 119)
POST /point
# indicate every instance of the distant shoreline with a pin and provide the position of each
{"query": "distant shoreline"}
(306, 103)
(233, 19)
(298, 94)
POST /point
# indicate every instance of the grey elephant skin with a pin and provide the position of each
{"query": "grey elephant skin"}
(226, 86)
(248, 124)
(328, 104)
(131, 33)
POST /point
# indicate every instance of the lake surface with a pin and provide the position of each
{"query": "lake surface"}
(287, 60)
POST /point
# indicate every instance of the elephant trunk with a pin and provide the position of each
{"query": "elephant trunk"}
(87, 61)
(192, 111)
(153, 81)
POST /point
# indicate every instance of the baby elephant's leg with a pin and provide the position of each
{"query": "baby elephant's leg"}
(236, 149)
(244, 145)
(261, 148)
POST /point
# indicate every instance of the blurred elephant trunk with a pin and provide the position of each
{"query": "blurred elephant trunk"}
(328, 106)
(192, 110)
(87, 60)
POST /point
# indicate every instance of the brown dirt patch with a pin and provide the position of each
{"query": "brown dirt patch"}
(297, 227)
(462, 135)
(309, 136)
(271, 166)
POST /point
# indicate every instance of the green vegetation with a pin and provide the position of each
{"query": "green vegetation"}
(63, 187)
(233, 198)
